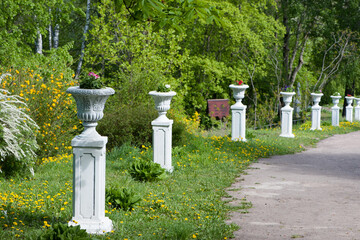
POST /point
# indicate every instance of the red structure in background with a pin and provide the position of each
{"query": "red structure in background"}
(218, 108)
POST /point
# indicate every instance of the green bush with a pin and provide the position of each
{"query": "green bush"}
(41, 81)
(127, 123)
(146, 171)
(17, 140)
(121, 198)
(61, 231)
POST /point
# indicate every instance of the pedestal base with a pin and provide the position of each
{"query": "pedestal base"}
(349, 114)
(335, 116)
(238, 125)
(286, 122)
(93, 226)
(315, 118)
(357, 114)
(89, 185)
(162, 143)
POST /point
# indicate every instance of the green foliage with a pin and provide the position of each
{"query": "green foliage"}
(49, 106)
(179, 133)
(17, 141)
(192, 198)
(121, 198)
(172, 14)
(127, 123)
(146, 171)
(219, 56)
(22, 21)
(90, 81)
(120, 52)
(163, 88)
(61, 231)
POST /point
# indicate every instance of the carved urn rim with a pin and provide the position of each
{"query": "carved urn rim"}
(288, 93)
(242, 86)
(317, 94)
(336, 97)
(83, 91)
(347, 97)
(165, 94)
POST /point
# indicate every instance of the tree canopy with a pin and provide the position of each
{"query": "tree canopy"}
(198, 46)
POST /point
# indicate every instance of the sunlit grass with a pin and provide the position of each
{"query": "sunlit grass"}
(186, 205)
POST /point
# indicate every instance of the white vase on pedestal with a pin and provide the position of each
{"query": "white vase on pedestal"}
(349, 109)
(335, 111)
(162, 130)
(286, 115)
(357, 109)
(89, 149)
(316, 111)
(238, 113)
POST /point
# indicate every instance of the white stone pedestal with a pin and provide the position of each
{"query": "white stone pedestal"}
(349, 109)
(316, 111)
(357, 109)
(286, 123)
(238, 115)
(89, 185)
(335, 111)
(335, 114)
(162, 130)
(162, 143)
(287, 115)
(89, 149)
(349, 113)
(315, 118)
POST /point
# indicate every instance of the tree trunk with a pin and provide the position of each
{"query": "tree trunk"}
(300, 63)
(349, 89)
(50, 31)
(286, 41)
(56, 36)
(82, 51)
(39, 43)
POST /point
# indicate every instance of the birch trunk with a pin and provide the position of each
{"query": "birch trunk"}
(50, 31)
(56, 36)
(87, 23)
(39, 43)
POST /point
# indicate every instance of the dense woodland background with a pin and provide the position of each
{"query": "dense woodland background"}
(199, 47)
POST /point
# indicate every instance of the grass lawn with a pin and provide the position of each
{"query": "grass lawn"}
(187, 204)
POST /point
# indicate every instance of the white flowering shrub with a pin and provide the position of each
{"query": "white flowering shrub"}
(17, 138)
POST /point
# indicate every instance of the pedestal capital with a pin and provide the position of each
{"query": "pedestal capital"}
(98, 142)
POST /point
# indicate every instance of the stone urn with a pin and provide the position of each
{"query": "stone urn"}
(162, 103)
(238, 93)
(90, 106)
(357, 102)
(316, 97)
(335, 100)
(349, 100)
(238, 113)
(287, 98)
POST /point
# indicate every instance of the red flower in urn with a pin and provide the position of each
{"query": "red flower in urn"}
(239, 82)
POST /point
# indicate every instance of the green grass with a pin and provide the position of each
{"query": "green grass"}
(187, 204)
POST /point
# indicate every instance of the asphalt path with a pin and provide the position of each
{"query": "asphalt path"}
(313, 195)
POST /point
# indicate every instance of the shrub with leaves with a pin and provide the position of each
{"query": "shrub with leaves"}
(90, 81)
(17, 139)
(61, 231)
(121, 198)
(146, 171)
(49, 106)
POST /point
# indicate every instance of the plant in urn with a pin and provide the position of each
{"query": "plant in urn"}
(90, 100)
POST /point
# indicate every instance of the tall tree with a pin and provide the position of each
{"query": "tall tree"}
(86, 28)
